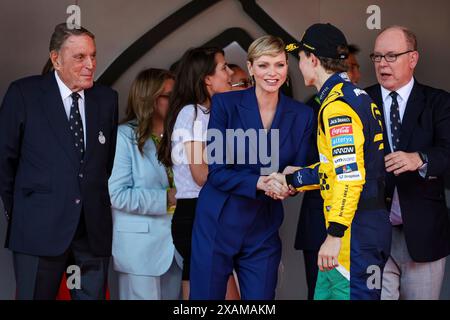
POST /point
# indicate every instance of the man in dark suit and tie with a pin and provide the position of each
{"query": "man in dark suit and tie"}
(57, 146)
(417, 147)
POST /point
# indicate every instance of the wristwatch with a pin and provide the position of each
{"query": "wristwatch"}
(423, 157)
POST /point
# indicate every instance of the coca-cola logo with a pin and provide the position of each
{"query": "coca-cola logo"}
(341, 130)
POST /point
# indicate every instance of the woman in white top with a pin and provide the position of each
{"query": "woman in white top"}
(200, 74)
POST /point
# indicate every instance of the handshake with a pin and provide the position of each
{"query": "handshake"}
(275, 185)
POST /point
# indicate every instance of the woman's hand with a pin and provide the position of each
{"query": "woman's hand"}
(171, 200)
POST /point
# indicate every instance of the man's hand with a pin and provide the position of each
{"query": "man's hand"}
(290, 169)
(328, 253)
(399, 162)
(280, 177)
(280, 190)
(276, 186)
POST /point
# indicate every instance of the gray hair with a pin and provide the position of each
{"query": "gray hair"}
(63, 31)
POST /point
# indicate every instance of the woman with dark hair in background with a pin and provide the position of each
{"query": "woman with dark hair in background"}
(142, 195)
(201, 73)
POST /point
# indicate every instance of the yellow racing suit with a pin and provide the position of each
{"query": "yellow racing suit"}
(350, 176)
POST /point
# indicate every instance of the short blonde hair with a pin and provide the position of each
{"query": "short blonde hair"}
(265, 45)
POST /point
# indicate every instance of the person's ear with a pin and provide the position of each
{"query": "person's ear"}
(208, 81)
(54, 57)
(414, 59)
(314, 60)
(250, 68)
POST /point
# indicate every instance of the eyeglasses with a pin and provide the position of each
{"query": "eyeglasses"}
(390, 57)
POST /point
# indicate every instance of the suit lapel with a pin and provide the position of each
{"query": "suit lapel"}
(250, 117)
(150, 149)
(283, 120)
(378, 99)
(92, 110)
(249, 112)
(414, 108)
(53, 108)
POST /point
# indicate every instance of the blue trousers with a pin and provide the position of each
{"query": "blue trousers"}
(244, 237)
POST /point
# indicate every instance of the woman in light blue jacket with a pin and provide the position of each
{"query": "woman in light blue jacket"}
(143, 196)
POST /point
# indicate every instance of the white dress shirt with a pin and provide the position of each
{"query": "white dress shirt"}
(67, 101)
(402, 99)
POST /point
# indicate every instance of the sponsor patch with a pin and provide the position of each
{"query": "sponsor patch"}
(352, 176)
(323, 158)
(340, 151)
(347, 168)
(341, 160)
(359, 92)
(339, 120)
(342, 140)
(344, 76)
(341, 130)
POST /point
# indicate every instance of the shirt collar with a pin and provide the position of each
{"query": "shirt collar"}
(64, 90)
(403, 92)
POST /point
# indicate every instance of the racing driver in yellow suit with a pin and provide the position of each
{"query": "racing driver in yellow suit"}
(350, 173)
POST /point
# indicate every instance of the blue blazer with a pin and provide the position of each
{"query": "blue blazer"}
(311, 229)
(44, 184)
(142, 239)
(238, 110)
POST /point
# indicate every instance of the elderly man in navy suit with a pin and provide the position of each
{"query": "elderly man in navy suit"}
(417, 147)
(57, 146)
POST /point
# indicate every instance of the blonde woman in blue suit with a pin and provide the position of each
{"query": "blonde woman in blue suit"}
(142, 196)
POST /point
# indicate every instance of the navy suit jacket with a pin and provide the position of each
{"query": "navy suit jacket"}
(43, 183)
(311, 228)
(238, 110)
(425, 128)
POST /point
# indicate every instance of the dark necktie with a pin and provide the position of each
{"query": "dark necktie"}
(395, 121)
(76, 125)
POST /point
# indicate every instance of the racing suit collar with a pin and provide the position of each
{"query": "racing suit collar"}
(330, 83)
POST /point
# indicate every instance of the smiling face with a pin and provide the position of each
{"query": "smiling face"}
(270, 72)
(394, 75)
(76, 62)
(220, 81)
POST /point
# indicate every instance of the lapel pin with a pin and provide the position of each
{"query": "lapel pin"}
(101, 138)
